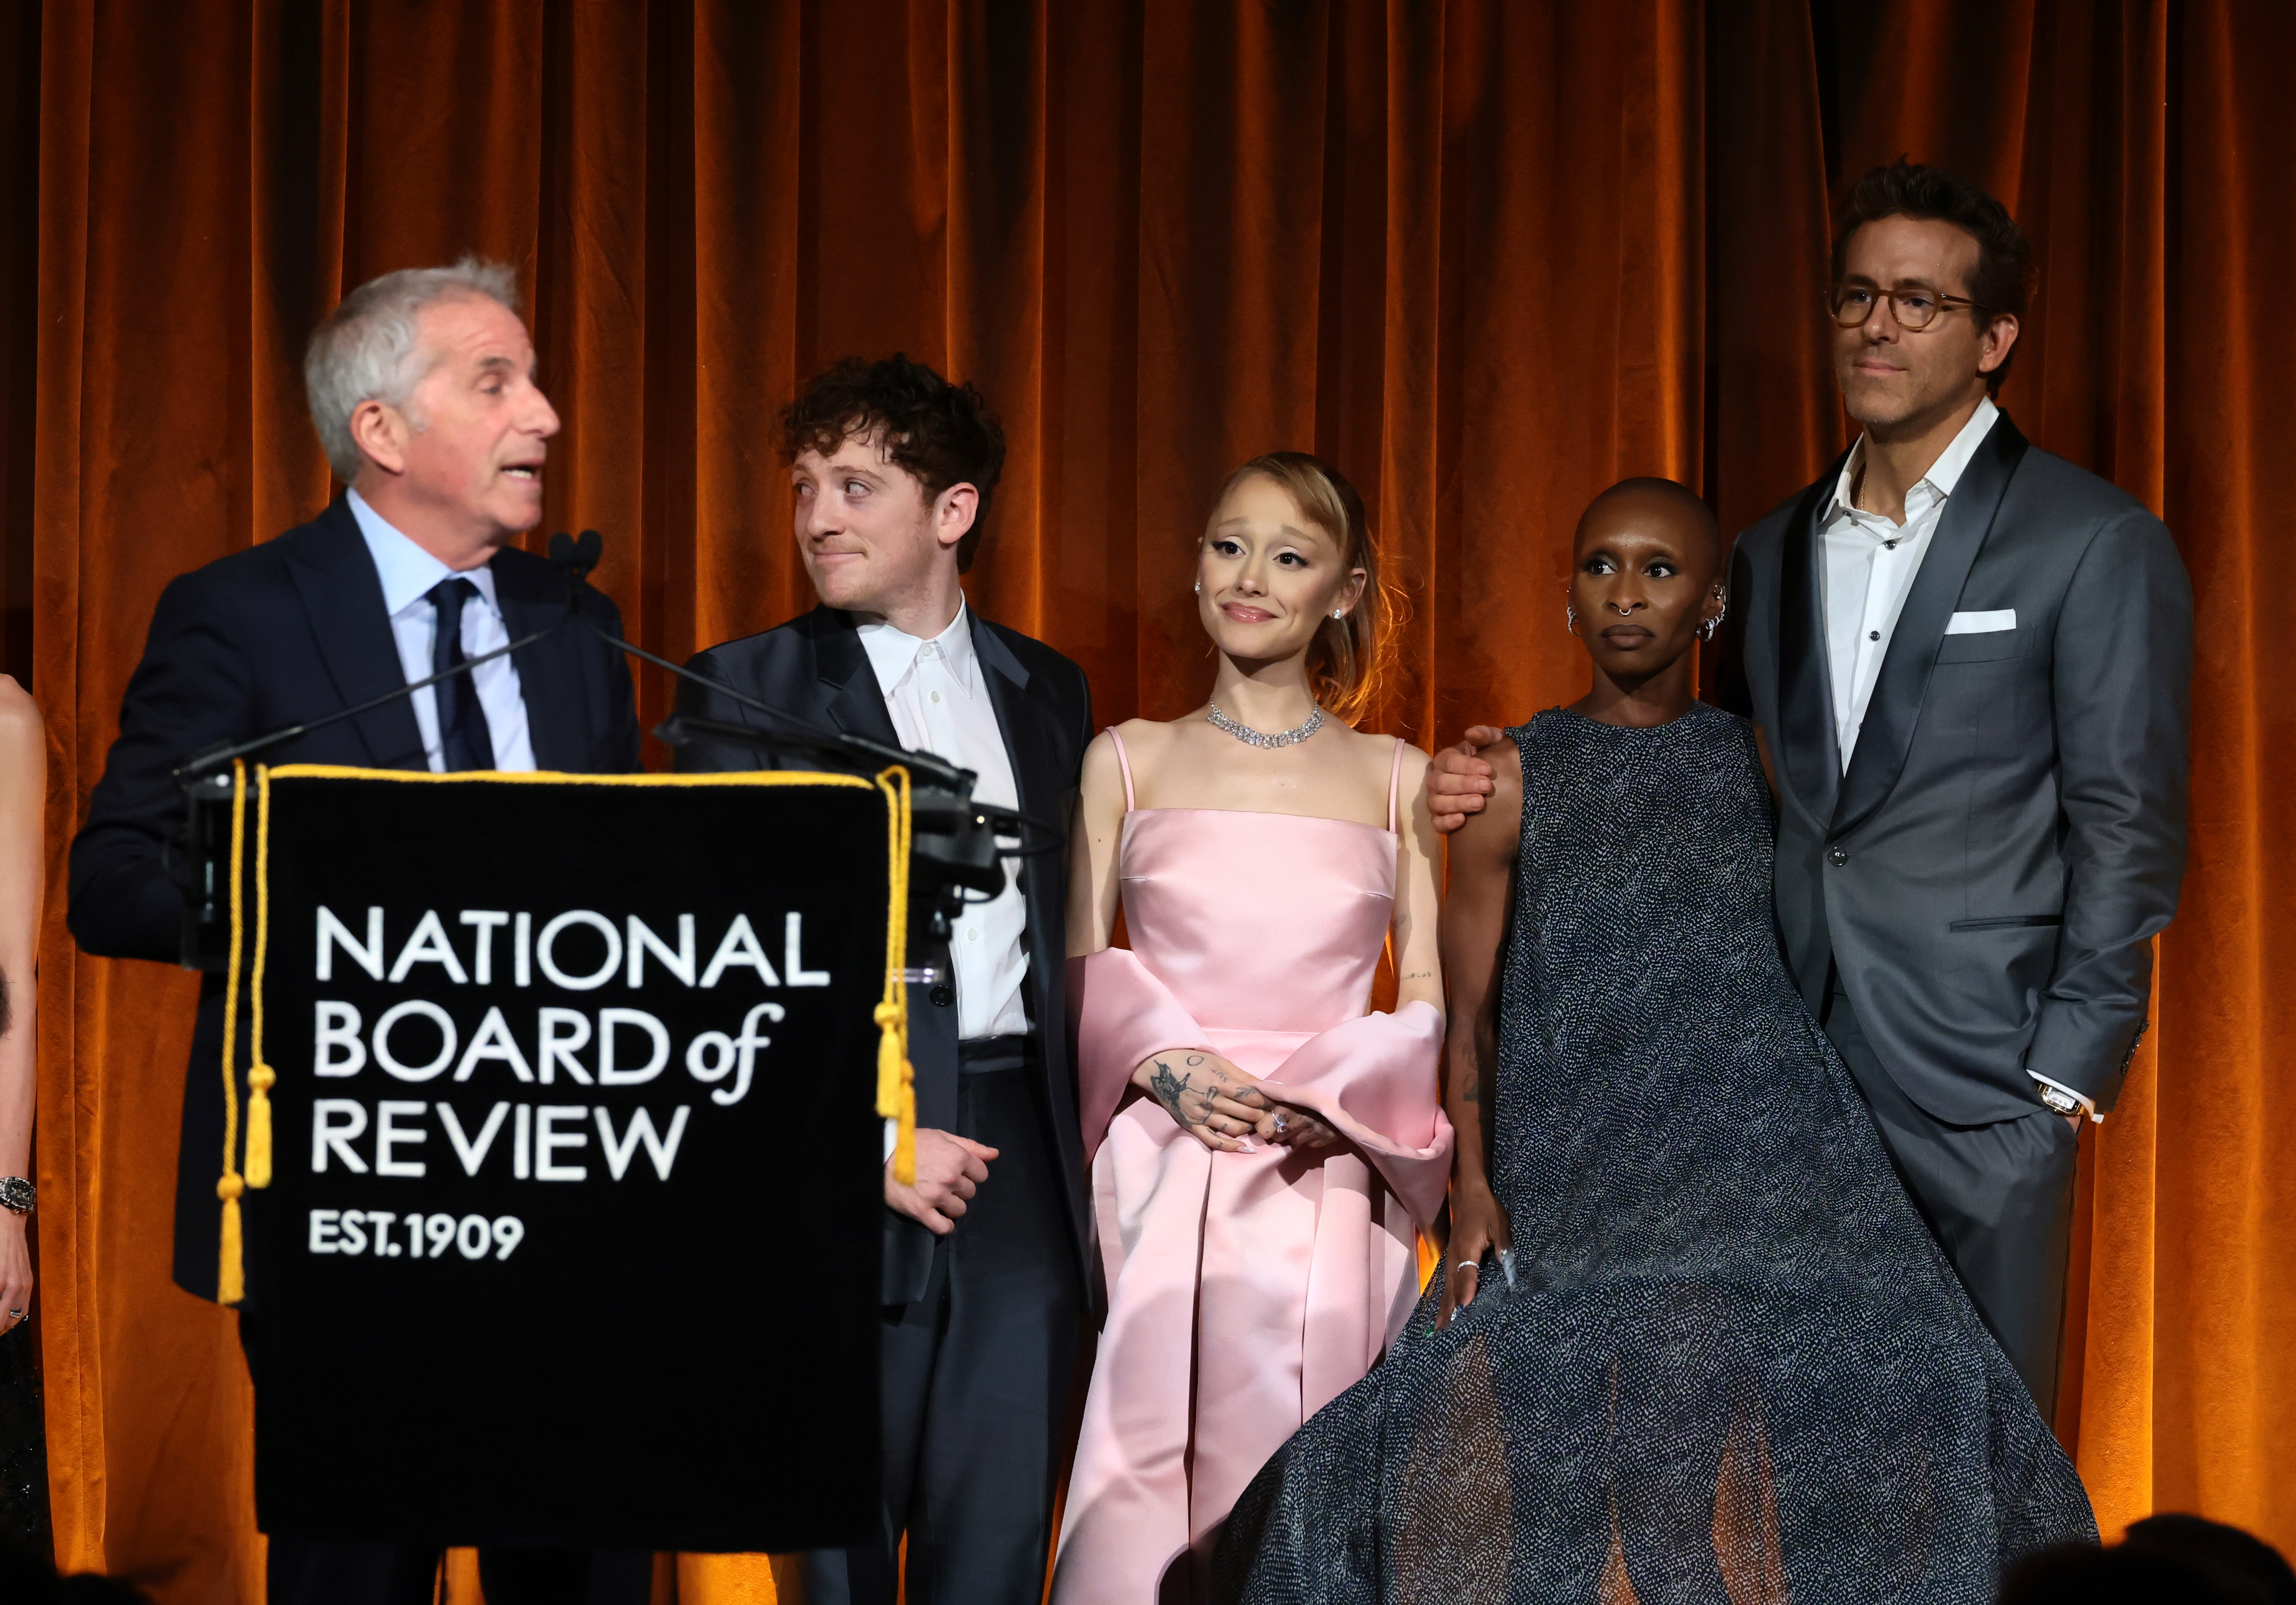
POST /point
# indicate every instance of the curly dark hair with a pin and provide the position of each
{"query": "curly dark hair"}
(1905, 189)
(941, 434)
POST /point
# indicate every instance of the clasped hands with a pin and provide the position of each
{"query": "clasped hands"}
(1224, 1109)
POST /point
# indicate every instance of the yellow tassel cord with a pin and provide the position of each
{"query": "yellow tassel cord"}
(261, 1075)
(231, 1274)
(896, 1077)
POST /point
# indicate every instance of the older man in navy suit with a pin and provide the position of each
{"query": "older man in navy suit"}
(422, 385)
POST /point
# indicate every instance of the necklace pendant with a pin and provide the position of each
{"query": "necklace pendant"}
(1266, 740)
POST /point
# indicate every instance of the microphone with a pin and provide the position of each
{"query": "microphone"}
(205, 777)
(576, 555)
(952, 844)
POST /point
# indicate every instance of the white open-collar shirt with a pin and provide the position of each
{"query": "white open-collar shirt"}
(939, 702)
(1870, 567)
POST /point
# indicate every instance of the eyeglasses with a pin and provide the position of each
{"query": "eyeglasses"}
(1914, 309)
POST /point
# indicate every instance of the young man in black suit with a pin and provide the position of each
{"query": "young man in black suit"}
(1970, 663)
(984, 1278)
(422, 385)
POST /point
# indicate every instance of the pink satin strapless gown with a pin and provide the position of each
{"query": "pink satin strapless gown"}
(1245, 1291)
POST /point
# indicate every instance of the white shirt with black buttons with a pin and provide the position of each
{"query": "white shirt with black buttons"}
(1870, 567)
(940, 704)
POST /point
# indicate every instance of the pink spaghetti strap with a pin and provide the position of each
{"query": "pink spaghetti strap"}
(1394, 778)
(1124, 762)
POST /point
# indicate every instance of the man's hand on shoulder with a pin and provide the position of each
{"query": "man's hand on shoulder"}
(950, 1169)
(1458, 781)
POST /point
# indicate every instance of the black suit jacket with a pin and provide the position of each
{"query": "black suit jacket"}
(1989, 873)
(815, 665)
(289, 631)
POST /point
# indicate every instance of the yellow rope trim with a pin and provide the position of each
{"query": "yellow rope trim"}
(261, 1075)
(230, 1272)
(896, 1077)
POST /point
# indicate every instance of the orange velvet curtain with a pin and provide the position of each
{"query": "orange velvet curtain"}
(1487, 257)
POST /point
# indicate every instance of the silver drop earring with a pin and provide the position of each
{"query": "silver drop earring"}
(1707, 631)
(1200, 587)
(1569, 618)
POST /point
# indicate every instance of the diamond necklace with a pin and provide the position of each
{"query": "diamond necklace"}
(1259, 738)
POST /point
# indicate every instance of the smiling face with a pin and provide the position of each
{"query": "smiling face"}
(872, 541)
(1894, 378)
(1268, 580)
(1648, 573)
(462, 460)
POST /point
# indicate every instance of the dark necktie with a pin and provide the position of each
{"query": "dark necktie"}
(464, 742)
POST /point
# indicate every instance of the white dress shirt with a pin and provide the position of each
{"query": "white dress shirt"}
(940, 704)
(1870, 565)
(408, 573)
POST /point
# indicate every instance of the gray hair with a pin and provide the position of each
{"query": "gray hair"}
(367, 349)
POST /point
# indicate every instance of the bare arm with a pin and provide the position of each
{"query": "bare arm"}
(1092, 837)
(1418, 964)
(23, 800)
(1206, 1095)
(1474, 926)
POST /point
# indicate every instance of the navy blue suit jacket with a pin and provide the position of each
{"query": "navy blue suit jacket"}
(290, 630)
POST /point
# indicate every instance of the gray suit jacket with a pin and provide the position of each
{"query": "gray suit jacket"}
(815, 665)
(2010, 836)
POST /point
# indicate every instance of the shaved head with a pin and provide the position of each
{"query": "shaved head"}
(1676, 507)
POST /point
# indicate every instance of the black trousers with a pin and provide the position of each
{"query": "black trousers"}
(1999, 1198)
(976, 1374)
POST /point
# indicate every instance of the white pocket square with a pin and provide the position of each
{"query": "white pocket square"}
(1981, 623)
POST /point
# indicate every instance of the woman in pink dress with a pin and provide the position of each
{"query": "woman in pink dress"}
(1265, 1153)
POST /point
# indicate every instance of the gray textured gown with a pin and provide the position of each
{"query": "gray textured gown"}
(1736, 1367)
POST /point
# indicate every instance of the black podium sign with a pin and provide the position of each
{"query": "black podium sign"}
(573, 1220)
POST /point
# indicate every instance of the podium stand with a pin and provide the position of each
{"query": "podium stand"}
(555, 1152)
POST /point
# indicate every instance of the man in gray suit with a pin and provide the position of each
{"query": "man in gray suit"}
(1970, 666)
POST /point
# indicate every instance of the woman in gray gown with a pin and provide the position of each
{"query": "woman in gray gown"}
(1691, 1341)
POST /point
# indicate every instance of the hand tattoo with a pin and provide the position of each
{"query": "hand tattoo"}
(1251, 1097)
(1179, 1094)
(1168, 1088)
